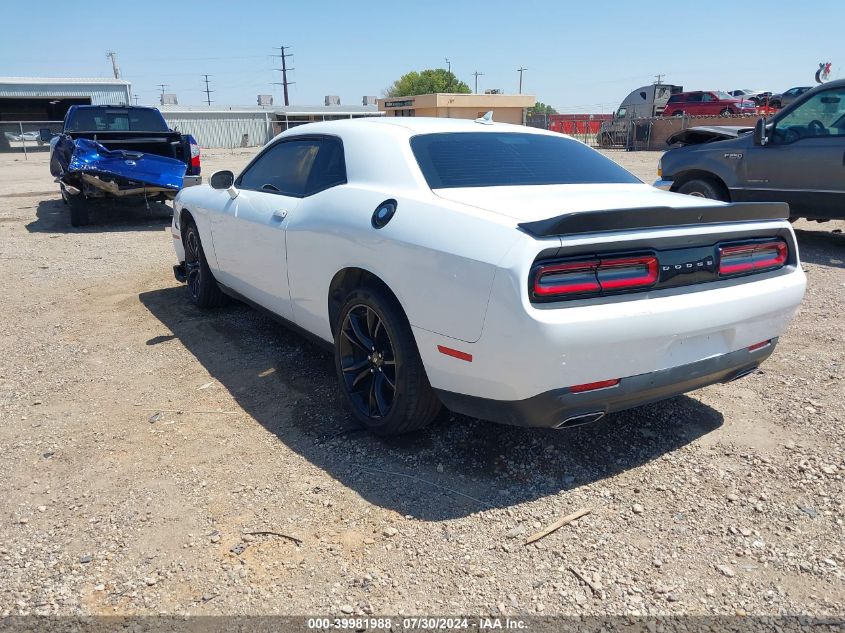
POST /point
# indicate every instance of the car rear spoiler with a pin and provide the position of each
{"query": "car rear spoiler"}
(611, 220)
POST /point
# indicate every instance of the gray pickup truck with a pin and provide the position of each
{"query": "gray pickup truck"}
(798, 157)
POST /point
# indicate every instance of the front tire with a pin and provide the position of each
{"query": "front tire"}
(379, 368)
(704, 188)
(202, 287)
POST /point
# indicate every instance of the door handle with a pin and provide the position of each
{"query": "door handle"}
(280, 214)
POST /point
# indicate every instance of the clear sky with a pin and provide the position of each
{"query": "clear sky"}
(581, 57)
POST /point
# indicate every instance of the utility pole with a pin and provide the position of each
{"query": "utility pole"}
(448, 64)
(520, 70)
(284, 83)
(477, 75)
(162, 86)
(658, 79)
(207, 91)
(135, 97)
(115, 68)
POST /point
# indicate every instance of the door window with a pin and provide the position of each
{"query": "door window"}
(821, 116)
(283, 169)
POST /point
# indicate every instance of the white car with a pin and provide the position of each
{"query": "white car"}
(509, 273)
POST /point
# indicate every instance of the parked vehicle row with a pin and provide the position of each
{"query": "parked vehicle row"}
(508, 273)
(670, 100)
(798, 157)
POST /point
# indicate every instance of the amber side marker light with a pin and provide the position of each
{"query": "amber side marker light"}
(593, 386)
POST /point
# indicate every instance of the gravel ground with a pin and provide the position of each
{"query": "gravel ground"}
(143, 440)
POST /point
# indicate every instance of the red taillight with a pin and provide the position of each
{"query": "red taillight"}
(746, 258)
(759, 345)
(592, 386)
(630, 272)
(594, 276)
(195, 155)
(571, 278)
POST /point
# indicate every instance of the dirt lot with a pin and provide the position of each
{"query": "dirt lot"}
(142, 440)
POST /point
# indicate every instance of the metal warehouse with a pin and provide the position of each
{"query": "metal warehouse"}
(48, 98)
(246, 126)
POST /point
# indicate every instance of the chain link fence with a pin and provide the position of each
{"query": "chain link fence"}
(23, 137)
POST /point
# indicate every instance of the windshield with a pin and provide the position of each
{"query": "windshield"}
(116, 120)
(495, 159)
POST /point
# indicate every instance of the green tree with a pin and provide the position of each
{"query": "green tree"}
(426, 82)
(541, 108)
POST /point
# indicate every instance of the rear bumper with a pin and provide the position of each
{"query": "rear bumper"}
(554, 408)
(665, 185)
(191, 181)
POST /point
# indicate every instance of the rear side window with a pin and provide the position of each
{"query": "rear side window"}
(675, 98)
(495, 159)
(329, 167)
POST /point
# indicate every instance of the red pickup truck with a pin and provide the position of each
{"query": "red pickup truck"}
(706, 103)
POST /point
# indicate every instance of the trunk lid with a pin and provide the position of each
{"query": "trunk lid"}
(540, 202)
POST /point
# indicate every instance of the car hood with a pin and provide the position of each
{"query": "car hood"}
(531, 203)
(707, 134)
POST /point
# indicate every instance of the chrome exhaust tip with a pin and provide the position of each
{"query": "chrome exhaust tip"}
(580, 420)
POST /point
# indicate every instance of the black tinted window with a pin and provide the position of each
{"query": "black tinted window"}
(329, 167)
(116, 120)
(490, 159)
(284, 168)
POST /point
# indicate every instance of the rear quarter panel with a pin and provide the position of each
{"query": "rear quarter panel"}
(438, 258)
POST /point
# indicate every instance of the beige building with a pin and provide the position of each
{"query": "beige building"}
(506, 108)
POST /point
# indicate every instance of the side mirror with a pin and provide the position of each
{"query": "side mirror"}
(760, 132)
(45, 134)
(224, 180)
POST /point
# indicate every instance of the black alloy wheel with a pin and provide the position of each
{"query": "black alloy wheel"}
(193, 270)
(368, 362)
(378, 365)
(202, 287)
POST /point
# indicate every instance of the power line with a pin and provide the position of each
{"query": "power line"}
(284, 83)
(207, 91)
(477, 75)
(520, 70)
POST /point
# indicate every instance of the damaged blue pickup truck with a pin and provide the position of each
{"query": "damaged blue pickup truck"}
(119, 152)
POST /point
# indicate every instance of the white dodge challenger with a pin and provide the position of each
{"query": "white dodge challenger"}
(509, 273)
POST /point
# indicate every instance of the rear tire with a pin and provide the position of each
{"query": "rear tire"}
(726, 112)
(202, 287)
(704, 188)
(78, 206)
(381, 374)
